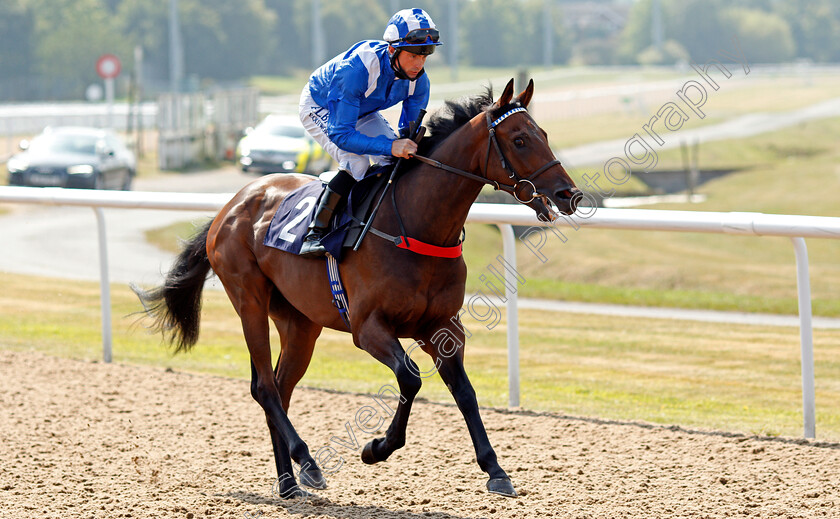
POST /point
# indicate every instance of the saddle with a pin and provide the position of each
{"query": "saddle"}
(290, 222)
(347, 224)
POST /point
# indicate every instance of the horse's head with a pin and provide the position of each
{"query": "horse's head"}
(519, 154)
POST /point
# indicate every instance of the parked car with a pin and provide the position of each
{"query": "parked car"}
(73, 156)
(279, 144)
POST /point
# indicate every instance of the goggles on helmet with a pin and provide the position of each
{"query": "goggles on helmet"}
(421, 36)
(419, 41)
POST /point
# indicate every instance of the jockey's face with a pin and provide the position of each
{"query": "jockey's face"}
(411, 64)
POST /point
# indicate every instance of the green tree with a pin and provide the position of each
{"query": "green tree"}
(145, 24)
(493, 32)
(285, 49)
(16, 39)
(773, 30)
(763, 37)
(71, 35)
(636, 35)
(670, 53)
(221, 40)
(346, 22)
(699, 26)
(532, 37)
(814, 25)
(225, 40)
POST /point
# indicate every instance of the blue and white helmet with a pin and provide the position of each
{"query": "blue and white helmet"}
(412, 30)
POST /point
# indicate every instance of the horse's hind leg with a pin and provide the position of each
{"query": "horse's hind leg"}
(297, 341)
(250, 296)
(385, 348)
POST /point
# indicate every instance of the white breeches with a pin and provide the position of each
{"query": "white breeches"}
(314, 119)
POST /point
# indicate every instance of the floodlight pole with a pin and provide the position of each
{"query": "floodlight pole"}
(548, 34)
(452, 39)
(176, 51)
(317, 35)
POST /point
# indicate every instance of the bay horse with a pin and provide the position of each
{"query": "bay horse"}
(393, 293)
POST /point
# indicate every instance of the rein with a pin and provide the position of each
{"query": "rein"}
(497, 186)
(493, 142)
(455, 251)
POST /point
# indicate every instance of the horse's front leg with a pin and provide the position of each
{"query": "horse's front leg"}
(376, 339)
(449, 361)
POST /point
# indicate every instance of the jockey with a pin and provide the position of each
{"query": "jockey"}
(340, 107)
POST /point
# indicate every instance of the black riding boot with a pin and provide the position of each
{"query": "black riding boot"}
(338, 188)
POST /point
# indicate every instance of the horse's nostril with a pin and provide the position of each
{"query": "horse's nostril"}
(572, 197)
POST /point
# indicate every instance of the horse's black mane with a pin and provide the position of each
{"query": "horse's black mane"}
(450, 117)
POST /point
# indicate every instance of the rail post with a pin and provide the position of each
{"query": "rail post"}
(806, 338)
(509, 250)
(104, 285)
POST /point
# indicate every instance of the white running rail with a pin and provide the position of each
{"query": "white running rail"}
(504, 216)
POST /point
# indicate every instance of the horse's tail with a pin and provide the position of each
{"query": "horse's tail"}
(175, 306)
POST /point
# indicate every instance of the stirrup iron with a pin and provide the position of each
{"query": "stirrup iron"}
(312, 246)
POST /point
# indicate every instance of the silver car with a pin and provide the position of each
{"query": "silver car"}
(279, 144)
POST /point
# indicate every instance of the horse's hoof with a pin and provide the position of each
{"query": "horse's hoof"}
(312, 478)
(295, 492)
(367, 454)
(501, 486)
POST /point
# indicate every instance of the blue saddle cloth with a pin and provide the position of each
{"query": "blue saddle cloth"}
(290, 223)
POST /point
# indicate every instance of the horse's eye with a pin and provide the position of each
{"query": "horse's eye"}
(519, 142)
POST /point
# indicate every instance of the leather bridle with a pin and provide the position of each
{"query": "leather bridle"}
(419, 247)
(494, 143)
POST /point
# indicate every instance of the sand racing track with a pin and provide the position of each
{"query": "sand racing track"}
(89, 440)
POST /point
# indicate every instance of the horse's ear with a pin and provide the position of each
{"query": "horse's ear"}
(525, 97)
(507, 95)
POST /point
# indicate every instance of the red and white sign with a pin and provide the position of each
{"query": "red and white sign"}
(108, 66)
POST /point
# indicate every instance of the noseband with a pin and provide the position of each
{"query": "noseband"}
(494, 142)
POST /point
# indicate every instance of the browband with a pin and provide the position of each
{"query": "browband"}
(506, 115)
